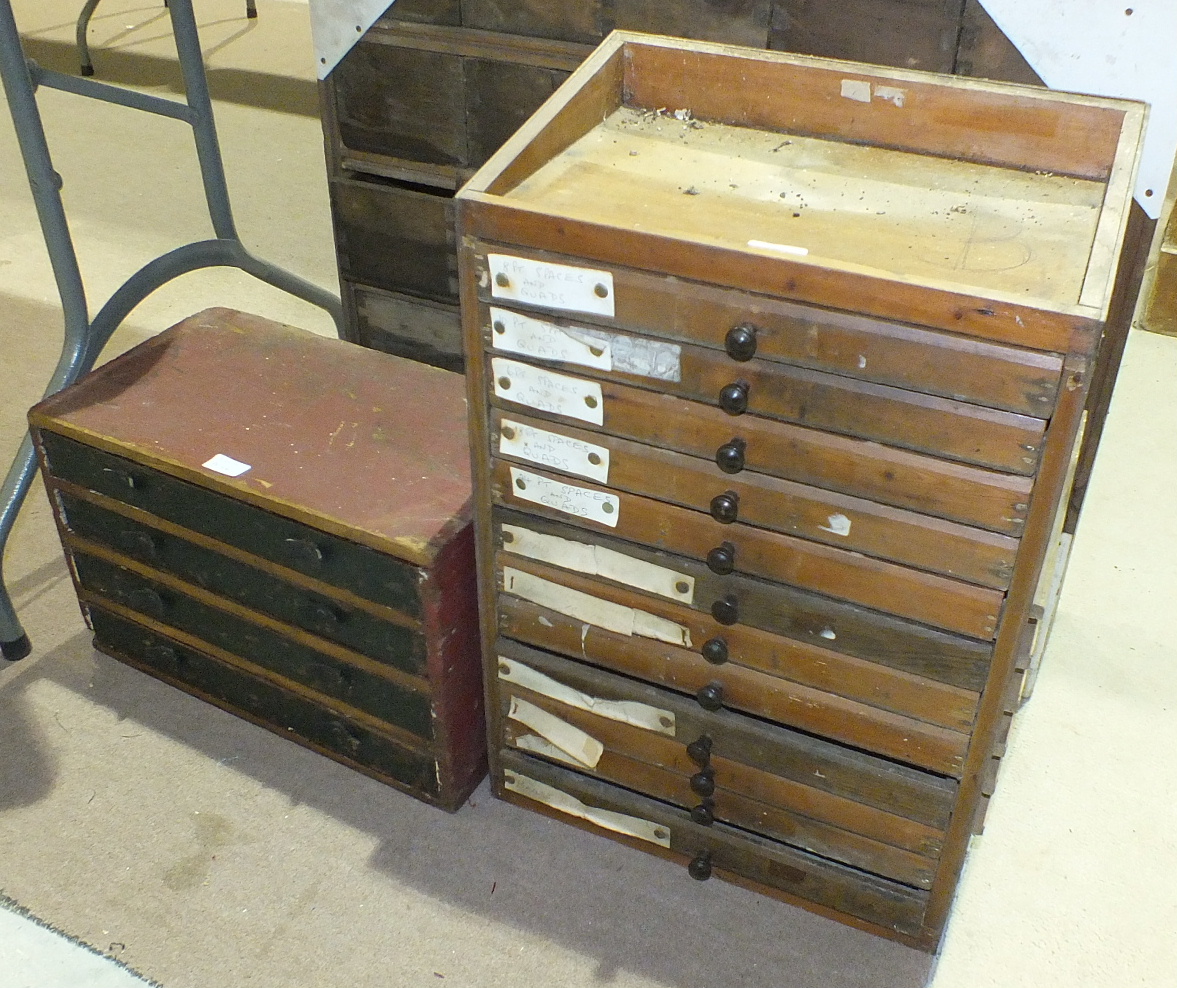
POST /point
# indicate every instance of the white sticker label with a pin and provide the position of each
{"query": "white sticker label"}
(557, 799)
(837, 525)
(856, 89)
(548, 391)
(596, 560)
(553, 286)
(594, 611)
(517, 333)
(550, 449)
(580, 502)
(226, 465)
(636, 354)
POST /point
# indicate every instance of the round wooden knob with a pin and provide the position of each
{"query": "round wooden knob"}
(700, 751)
(715, 651)
(725, 507)
(122, 478)
(137, 543)
(710, 697)
(304, 553)
(726, 610)
(733, 399)
(722, 559)
(700, 867)
(730, 456)
(703, 815)
(703, 783)
(323, 616)
(147, 601)
(740, 342)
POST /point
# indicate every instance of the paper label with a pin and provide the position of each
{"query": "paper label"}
(552, 286)
(592, 610)
(557, 799)
(521, 334)
(542, 746)
(596, 560)
(226, 465)
(568, 499)
(569, 738)
(548, 391)
(550, 449)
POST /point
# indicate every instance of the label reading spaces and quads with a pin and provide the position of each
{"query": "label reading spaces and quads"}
(521, 334)
(580, 502)
(547, 391)
(552, 286)
(550, 449)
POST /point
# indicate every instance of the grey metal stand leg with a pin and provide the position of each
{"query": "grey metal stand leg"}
(84, 340)
(86, 66)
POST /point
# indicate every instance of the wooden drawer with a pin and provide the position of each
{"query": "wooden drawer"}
(353, 740)
(219, 569)
(414, 328)
(863, 811)
(396, 236)
(357, 568)
(713, 850)
(300, 550)
(738, 22)
(746, 325)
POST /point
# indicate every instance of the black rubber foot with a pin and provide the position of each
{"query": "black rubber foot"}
(17, 649)
(251, 14)
(87, 70)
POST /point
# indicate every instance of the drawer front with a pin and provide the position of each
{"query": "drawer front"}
(744, 325)
(360, 569)
(396, 236)
(711, 850)
(738, 22)
(815, 777)
(500, 98)
(966, 553)
(291, 715)
(888, 475)
(812, 620)
(417, 329)
(247, 585)
(292, 659)
(908, 593)
(428, 11)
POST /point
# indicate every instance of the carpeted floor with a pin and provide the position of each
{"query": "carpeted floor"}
(201, 850)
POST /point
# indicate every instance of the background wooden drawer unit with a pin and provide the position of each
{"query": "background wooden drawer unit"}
(774, 399)
(279, 523)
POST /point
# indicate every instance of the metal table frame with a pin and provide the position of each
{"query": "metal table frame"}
(86, 338)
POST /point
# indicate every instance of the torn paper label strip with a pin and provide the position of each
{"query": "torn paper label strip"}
(592, 610)
(553, 450)
(540, 746)
(517, 333)
(568, 499)
(623, 711)
(570, 739)
(620, 823)
(547, 391)
(596, 560)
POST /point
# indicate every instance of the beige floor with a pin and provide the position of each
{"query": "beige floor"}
(204, 851)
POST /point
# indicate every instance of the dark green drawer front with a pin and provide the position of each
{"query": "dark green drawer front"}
(251, 587)
(288, 714)
(354, 567)
(324, 673)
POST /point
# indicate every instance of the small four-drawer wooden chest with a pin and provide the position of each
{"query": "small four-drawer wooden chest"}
(279, 523)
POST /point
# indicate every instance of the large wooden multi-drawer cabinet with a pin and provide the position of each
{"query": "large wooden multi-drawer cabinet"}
(777, 369)
(280, 524)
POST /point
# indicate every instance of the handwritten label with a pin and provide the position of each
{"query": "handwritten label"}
(580, 502)
(521, 334)
(553, 286)
(550, 449)
(548, 391)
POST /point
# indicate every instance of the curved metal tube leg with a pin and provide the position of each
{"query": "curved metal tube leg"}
(85, 65)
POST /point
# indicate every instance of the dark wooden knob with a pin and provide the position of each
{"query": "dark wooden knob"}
(703, 815)
(726, 610)
(740, 342)
(343, 738)
(123, 478)
(323, 616)
(137, 543)
(730, 456)
(733, 399)
(147, 601)
(703, 783)
(722, 559)
(162, 657)
(699, 751)
(715, 651)
(725, 507)
(700, 867)
(304, 553)
(710, 697)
